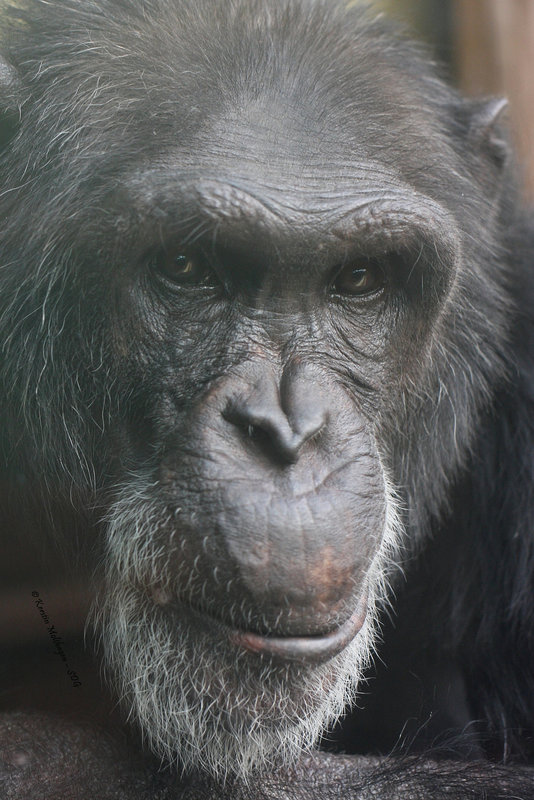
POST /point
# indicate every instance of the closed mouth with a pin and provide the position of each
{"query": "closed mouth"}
(307, 649)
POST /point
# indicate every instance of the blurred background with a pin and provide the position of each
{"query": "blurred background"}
(486, 48)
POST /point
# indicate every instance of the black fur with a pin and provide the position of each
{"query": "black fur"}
(115, 108)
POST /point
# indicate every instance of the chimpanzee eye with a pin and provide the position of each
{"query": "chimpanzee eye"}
(360, 278)
(182, 269)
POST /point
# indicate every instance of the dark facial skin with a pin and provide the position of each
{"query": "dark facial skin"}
(260, 332)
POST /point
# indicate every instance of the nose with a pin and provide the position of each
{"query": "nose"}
(280, 418)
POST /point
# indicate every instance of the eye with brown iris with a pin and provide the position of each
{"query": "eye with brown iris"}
(363, 278)
(183, 270)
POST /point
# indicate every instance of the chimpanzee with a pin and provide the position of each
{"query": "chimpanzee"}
(267, 326)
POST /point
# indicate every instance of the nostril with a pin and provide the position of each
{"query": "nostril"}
(258, 433)
(278, 419)
(270, 429)
(276, 442)
(257, 423)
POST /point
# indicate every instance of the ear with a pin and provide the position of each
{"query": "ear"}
(480, 125)
(10, 102)
(487, 131)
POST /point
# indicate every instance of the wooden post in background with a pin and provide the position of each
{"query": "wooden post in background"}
(495, 55)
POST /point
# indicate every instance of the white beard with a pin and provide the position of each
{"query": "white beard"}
(200, 702)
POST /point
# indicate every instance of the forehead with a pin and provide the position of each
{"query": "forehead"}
(265, 163)
(296, 136)
(292, 141)
(288, 158)
(279, 159)
(305, 120)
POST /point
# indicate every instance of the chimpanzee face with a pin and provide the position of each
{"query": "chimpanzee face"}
(244, 268)
(265, 324)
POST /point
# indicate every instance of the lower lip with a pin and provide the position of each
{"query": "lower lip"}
(306, 649)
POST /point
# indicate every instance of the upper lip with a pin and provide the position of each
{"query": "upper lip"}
(314, 649)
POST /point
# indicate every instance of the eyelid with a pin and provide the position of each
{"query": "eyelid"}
(197, 274)
(371, 266)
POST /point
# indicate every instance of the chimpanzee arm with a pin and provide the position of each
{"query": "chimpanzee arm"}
(329, 777)
(49, 759)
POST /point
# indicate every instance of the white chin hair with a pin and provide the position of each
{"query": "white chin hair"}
(203, 704)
